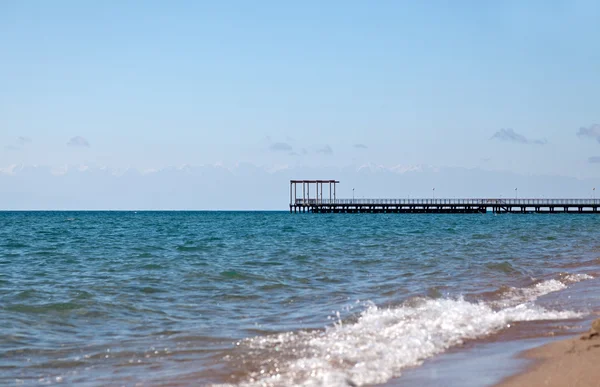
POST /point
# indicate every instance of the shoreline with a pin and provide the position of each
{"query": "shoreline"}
(568, 362)
(502, 356)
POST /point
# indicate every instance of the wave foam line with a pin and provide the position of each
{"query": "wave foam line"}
(381, 342)
(517, 296)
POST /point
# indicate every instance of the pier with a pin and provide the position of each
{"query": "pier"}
(301, 200)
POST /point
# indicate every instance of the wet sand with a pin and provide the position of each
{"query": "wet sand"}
(571, 362)
(487, 361)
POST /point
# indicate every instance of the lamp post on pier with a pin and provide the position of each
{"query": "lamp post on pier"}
(352, 195)
(516, 193)
(433, 196)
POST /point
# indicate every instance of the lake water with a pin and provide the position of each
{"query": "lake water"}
(271, 298)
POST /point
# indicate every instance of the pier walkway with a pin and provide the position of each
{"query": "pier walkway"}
(331, 204)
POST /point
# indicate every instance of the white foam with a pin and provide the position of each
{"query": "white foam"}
(516, 296)
(382, 341)
(572, 278)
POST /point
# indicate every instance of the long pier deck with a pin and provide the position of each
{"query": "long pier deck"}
(318, 204)
(447, 206)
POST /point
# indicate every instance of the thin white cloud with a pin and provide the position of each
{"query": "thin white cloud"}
(280, 147)
(592, 131)
(510, 135)
(78, 141)
(23, 140)
(326, 150)
(10, 170)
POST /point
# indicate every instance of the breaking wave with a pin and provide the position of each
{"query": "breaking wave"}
(382, 341)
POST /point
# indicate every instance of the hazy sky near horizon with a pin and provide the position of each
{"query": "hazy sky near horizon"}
(508, 85)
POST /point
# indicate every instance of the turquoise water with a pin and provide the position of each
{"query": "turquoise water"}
(270, 298)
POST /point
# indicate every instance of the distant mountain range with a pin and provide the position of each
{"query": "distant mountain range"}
(249, 187)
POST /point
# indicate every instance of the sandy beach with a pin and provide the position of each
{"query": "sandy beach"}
(570, 362)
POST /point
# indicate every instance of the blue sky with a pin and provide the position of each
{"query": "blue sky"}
(150, 84)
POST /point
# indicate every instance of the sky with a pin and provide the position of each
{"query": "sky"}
(507, 86)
